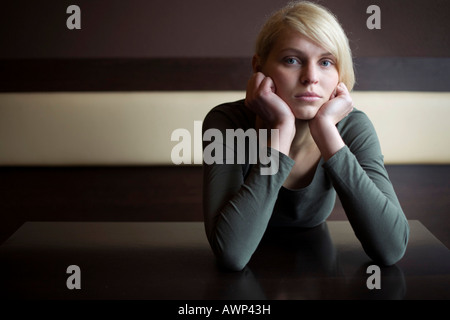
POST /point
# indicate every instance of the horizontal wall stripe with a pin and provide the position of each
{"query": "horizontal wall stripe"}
(202, 74)
(135, 128)
(403, 74)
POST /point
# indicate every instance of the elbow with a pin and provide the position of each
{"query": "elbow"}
(389, 258)
(232, 262)
(229, 257)
(394, 252)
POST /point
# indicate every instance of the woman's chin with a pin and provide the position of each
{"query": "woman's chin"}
(305, 112)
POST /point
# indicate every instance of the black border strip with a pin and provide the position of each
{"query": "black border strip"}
(203, 74)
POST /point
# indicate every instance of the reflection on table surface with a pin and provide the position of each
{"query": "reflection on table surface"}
(168, 260)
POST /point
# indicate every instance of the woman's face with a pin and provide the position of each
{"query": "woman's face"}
(305, 74)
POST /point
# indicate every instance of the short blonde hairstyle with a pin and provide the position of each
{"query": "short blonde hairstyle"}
(316, 23)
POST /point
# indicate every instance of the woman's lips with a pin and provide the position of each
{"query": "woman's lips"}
(308, 97)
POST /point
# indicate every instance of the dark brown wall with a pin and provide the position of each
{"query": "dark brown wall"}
(188, 35)
(205, 44)
(206, 28)
(175, 194)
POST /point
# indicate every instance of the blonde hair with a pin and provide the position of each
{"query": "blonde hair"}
(316, 23)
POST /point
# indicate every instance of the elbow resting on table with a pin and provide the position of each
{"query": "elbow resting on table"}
(392, 254)
(231, 261)
(231, 258)
(234, 264)
(388, 259)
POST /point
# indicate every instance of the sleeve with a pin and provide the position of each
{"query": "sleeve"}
(358, 174)
(237, 206)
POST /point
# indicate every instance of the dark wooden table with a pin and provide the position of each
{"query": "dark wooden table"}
(172, 260)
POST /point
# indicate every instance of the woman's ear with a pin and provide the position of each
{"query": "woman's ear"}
(256, 63)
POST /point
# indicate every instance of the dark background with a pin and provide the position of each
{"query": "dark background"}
(148, 45)
(195, 45)
(207, 28)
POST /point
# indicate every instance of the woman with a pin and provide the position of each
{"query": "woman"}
(303, 73)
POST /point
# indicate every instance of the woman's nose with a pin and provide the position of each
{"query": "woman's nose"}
(309, 75)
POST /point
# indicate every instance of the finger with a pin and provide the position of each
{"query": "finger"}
(267, 85)
(259, 77)
(254, 81)
(253, 85)
(341, 89)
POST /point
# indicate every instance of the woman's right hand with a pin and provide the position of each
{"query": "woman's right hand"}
(262, 99)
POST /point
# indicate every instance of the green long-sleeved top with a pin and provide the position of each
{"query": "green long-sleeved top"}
(239, 203)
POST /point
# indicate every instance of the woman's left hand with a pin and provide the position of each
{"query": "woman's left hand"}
(338, 107)
(323, 125)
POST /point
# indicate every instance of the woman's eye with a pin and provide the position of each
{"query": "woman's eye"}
(291, 61)
(326, 63)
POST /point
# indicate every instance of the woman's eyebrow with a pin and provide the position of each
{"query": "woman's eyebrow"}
(302, 54)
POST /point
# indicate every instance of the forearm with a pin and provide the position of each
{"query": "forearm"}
(240, 226)
(237, 213)
(371, 206)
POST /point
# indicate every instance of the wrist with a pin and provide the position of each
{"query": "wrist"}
(282, 136)
(326, 136)
(320, 121)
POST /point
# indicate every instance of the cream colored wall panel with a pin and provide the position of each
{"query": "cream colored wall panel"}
(412, 127)
(134, 128)
(97, 128)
